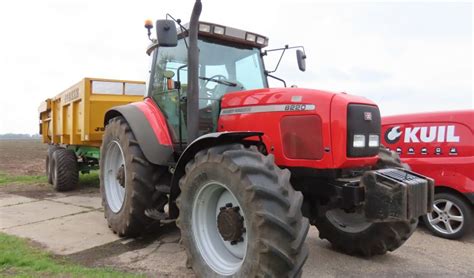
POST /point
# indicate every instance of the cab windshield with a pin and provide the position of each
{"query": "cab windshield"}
(222, 69)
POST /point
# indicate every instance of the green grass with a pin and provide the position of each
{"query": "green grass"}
(9, 179)
(19, 259)
(91, 179)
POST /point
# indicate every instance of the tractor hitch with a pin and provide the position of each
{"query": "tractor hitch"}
(396, 195)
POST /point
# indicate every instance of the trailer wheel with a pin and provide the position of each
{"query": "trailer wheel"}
(239, 215)
(352, 234)
(451, 216)
(48, 164)
(65, 174)
(127, 180)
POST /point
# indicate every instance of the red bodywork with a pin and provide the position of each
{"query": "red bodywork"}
(439, 145)
(331, 108)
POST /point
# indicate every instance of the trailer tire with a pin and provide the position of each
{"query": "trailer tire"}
(272, 229)
(125, 213)
(65, 174)
(351, 234)
(48, 164)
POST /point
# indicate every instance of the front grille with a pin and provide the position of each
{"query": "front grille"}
(301, 137)
(358, 123)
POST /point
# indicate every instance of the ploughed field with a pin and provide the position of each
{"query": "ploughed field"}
(22, 157)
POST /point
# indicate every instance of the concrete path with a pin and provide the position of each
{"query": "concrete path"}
(64, 225)
(73, 225)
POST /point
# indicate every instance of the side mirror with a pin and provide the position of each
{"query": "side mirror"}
(166, 33)
(301, 58)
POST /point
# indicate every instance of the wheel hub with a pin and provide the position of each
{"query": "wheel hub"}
(231, 224)
(121, 176)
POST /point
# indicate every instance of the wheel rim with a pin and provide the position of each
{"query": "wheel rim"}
(348, 222)
(115, 176)
(222, 256)
(446, 217)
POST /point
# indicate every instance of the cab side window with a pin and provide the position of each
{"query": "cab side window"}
(169, 63)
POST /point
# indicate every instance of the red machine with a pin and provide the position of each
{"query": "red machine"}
(439, 145)
(244, 169)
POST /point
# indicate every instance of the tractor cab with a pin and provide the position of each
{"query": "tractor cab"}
(230, 60)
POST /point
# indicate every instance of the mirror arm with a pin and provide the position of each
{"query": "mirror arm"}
(264, 53)
(267, 73)
(281, 56)
(178, 21)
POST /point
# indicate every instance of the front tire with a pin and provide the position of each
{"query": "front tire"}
(239, 215)
(351, 233)
(127, 180)
(451, 217)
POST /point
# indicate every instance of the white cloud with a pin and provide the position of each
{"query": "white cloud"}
(406, 57)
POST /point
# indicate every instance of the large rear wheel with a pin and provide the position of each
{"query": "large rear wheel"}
(127, 180)
(351, 233)
(239, 215)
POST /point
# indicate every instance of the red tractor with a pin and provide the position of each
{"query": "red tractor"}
(245, 169)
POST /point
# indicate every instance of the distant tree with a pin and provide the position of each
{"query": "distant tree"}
(18, 136)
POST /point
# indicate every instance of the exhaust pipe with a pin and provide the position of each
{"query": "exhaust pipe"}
(192, 107)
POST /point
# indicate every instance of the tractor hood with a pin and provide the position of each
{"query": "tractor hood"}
(326, 120)
(307, 99)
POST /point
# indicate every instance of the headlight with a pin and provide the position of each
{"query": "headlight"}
(219, 30)
(250, 37)
(260, 40)
(373, 140)
(359, 141)
(204, 28)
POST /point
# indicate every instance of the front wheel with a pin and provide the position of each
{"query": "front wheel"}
(352, 234)
(240, 217)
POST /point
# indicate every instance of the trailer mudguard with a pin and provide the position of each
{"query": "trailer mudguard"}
(150, 129)
(203, 142)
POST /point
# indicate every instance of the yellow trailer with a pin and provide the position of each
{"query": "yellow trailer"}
(72, 124)
(75, 116)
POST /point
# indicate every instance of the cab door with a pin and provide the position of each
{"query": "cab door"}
(167, 87)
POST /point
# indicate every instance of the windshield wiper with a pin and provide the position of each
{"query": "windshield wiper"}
(223, 82)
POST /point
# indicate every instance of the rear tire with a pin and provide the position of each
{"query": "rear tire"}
(127, 180)
(65, 174)
(49, 164)
(450, 223)
(274, 230)
(352, 234)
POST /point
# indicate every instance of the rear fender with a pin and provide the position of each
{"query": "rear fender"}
(149, 127)
(204, 142)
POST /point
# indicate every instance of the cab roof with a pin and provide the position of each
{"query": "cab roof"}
(226, 33)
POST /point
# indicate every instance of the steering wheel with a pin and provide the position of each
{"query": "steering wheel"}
(211, 91)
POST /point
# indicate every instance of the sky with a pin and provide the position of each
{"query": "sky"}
(406, 56)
